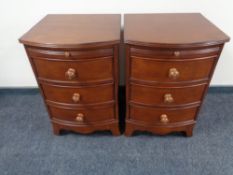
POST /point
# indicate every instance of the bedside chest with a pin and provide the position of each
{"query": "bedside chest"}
(170, 59)
(75, 61)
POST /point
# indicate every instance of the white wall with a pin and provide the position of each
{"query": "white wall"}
(18, 16)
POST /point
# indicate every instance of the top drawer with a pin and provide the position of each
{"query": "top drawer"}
(83, 71)
(69, 54)
(153, 70)
(174, 53)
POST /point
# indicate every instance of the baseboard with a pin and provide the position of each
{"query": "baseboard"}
(212, 89)
(28, 90)
(220, 89)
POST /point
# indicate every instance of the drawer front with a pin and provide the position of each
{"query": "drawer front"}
(150, 95)
(83, 115)
(69, 54)
(162, 115)
(78, 94)
(94, 70)
(175, 53)
(170, 70)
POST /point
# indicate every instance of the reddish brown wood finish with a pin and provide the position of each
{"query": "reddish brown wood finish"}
(169, 53)
(155, 96)
(151, 115)
(157, 70)
(91, 115)
(76, 66)
(74, 31)
(172, 30)
(73, 54)
(60, 67)
(87, 94)
(187, 44)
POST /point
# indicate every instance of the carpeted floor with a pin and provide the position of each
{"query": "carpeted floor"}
(27, 145)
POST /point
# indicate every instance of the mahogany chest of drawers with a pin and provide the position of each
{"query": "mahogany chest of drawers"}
(75, 61)
(170, 59)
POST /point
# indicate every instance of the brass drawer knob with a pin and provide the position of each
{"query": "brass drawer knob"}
(80, 117)
(177, 53)
(168, 98)
(76, 97)
(67, 54)
(70, 73)
(164, 118)
(173, 73)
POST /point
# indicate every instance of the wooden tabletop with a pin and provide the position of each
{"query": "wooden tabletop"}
(77, 30)
(171, 29)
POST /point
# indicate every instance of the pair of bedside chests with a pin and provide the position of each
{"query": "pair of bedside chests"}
(169, 60)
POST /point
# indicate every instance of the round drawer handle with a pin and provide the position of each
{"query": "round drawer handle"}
(80, 117)
(67, 54)
(173, 73)
(76, 97)
(177, 53)
(164, 118)
(70, 73)
(168, 98)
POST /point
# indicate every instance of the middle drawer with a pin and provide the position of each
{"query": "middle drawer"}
(79, 94)
(164, 96)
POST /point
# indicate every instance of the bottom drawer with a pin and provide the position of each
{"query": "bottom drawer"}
(83, 115)
(162, 115)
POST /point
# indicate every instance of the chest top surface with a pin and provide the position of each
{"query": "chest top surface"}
(171, 29)
(74, 30)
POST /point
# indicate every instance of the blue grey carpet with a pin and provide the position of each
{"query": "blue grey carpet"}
(27, 145)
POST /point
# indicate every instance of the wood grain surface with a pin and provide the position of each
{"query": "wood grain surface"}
(171, 29)
(72, 31)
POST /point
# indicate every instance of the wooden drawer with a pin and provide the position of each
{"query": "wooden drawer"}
(149, 95)
(69, 54)
(83, 115)
(78, 94)
(162, 115)
(175, 53)
(168, 71)
(77, 71)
